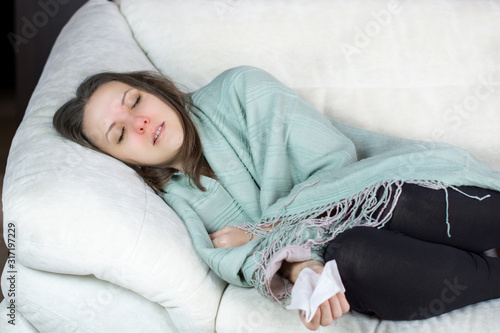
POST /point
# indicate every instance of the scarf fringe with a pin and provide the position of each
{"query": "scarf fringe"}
(372, 207)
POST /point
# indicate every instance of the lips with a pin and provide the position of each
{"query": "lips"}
(158, 133)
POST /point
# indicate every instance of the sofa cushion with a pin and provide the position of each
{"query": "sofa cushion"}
(244, 310)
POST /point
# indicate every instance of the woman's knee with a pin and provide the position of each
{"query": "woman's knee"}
(355, 252)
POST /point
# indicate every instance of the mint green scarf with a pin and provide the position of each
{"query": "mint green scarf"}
(281, 162)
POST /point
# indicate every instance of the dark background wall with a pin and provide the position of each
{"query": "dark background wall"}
(37, 24)
(7, 25)
(8, 115)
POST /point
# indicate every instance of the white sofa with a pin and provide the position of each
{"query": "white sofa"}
(97, 251)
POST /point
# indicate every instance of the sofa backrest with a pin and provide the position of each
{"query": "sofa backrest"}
(428, 70)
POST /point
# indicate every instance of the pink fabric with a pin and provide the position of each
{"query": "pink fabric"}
(274, 282)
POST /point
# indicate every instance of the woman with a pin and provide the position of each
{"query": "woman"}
(268, 186)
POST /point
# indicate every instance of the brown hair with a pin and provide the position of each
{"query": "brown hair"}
(68, 121)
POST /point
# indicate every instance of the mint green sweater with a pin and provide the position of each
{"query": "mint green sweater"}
(277, 159)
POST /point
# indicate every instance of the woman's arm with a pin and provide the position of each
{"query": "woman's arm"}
(231, 237)
(330, 310)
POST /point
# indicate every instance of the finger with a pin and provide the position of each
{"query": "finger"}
(212, 236)
(336, 308)
(314, 323)
(344, 303)
(302, 316)
(326, 314)
(216, 243)
(218, 233)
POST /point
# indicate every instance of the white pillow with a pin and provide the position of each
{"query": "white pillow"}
(80, 212)
(59, 303)
(426, 71)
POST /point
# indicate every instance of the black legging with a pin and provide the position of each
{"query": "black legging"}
(410, 269)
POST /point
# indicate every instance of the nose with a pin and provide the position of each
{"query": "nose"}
(140, 124)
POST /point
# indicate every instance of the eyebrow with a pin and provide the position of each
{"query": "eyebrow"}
(109, 130)
(125, 94)
(122, 102)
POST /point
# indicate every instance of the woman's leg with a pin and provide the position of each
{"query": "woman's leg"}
(474, 225)
(397, 277)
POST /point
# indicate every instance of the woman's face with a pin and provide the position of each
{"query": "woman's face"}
(133, 126)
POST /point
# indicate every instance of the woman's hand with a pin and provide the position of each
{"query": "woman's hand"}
(230, 237)
(330, 310)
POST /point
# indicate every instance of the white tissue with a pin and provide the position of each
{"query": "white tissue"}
(311, 289)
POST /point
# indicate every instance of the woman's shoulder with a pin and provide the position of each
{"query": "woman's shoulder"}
(241, 75)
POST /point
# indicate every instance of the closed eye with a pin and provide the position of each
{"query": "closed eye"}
(121, 135)
(136, 101)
